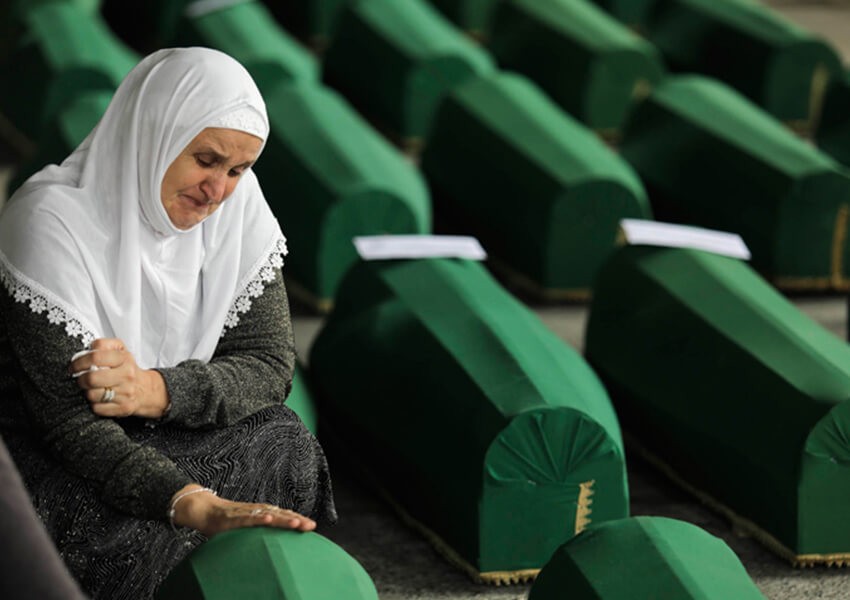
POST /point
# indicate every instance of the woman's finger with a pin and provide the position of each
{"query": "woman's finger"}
(106, 404)
(97, 359)
(107, 344)
(271, 516)
(275, 516)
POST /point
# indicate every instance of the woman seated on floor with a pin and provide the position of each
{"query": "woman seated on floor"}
(146, 346)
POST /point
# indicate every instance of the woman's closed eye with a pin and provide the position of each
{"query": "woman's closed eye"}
(205, 161)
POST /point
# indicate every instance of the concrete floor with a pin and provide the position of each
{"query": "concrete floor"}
(405, 567)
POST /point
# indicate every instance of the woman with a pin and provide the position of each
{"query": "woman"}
(145, 342)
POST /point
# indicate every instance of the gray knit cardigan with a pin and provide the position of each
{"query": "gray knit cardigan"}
(40, 405)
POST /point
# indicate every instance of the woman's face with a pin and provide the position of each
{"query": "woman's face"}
(206, 173)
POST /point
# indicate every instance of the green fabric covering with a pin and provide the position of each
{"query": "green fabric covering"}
(632, 13)
(654, 557)
(472, 16)
(586, 61)
(67, 51)
(314, 21)
(751, 47)
(540, 191)
(739, 392)
(397, 60)
(832, 134)
(328, 176)
(474, 417)
(21, 7)
(710, 157)
(248, 32)
(264, 563)
(65, 132)
(300, 400)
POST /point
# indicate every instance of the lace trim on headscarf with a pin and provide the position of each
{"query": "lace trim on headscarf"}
(42, 300)
(264, 273)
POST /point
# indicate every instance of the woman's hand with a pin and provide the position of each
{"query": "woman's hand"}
(135, 391)
(210, 514)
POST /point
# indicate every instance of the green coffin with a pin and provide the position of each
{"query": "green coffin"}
(654, 557)
(832, 134)
(67, 51)
(300, 399)
(64, 132)
(709, 157)
(313, 21)
(588, 62)
(248, 32)
(540, 191)
(472, 16)
(261, 562)
(731, 388)
(751, 47)
(17, 8)
(481, 425)
(328, 177)
(397, 60)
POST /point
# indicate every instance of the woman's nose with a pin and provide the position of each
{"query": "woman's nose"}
(214, 187)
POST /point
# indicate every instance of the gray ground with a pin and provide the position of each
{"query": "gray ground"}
(405, 567)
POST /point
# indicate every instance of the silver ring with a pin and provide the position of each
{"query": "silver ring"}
(257, 511)
(108, 395)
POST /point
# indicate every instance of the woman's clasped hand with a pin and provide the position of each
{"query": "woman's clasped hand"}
(115, 385)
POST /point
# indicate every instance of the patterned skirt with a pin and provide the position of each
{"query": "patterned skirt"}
(268, 457)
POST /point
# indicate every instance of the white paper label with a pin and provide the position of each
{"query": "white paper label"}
(384, 247)
(653, 233)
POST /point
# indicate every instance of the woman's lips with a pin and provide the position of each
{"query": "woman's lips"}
(195, 201)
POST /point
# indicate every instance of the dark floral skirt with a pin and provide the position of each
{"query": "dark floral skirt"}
(267, 457)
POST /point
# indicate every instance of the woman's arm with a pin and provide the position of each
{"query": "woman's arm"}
(132, 478)
(251, 369)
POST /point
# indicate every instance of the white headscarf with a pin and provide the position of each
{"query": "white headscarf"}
(90, 244)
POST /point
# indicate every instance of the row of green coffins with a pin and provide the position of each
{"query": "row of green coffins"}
(486, 141)
(494, 438)
(61, 50)
(710, 157)
(779, 66)
(398, 59)
(654, 557)
(726, 386)
(748, 45)
(559, 192)
(327, 175)
(589, 63)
